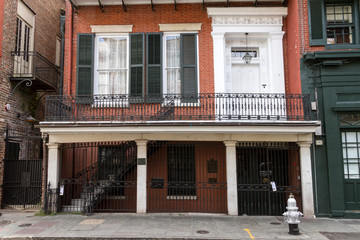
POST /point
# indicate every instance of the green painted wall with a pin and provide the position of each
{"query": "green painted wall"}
(335, 88)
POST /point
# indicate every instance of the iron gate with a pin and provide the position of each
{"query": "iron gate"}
(258, 166)
(186, 177)
(98, 177)
(22, 182)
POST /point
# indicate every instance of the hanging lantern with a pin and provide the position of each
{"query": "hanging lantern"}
(247, 58)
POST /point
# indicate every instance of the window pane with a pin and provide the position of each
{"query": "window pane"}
(352, 153)
(112, 82)
(173, 51)
(351, 158)
(339, 23)
(173, 81)
(351, 137)
(112, 52)
(173, 64)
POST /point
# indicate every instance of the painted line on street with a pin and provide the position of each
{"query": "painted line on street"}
(248, 231)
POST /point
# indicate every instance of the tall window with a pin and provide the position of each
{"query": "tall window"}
(351, 154)
(340, 25)
(112, 66)
(173, 65)
(181, 170)
(22, 38)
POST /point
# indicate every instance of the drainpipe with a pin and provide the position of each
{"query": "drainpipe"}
(62, 32)
(69, 42)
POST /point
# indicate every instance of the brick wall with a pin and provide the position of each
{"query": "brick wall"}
(47, 27)
(145, 20)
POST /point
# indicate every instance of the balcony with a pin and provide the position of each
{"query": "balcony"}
(32, 65)
(171, 107)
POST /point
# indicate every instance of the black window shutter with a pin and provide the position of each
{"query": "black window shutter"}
(188, 67)
(85, 64)
(317, 23)
(154, 65)
(137, 64)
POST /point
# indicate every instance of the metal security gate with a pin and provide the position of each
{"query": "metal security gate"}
(186, 177)
(267, 173)
(98, 177)
(22, 183)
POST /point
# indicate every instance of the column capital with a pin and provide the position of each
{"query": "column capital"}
(276, 35)
(304, 144)
(218, 35)
(230, 143)
(53, 145)
(141, 142)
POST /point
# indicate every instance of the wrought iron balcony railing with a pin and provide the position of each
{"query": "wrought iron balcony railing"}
(172, 107)
(32, 65)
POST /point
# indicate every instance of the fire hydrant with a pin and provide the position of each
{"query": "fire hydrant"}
(292, 215)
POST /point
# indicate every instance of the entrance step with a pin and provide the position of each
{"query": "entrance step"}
(77, 202)
(71, 208)
(355, 214)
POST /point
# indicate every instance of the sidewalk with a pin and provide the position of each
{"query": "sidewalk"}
(17, 225)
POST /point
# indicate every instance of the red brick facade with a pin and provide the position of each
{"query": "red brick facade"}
(145, 20)
(47, 28)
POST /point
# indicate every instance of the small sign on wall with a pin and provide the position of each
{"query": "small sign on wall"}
(141, 161)
(61, 190)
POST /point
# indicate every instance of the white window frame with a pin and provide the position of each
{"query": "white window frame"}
(96, 62)
(164, 70)
(168, 34)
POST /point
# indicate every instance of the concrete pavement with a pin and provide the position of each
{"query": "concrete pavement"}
(24, 225)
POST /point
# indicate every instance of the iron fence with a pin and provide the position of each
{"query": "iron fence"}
(186, 177)
(211, 107)
(22, 180)
(267, 173)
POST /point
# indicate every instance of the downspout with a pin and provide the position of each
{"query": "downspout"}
(62, 32)
(69, 40)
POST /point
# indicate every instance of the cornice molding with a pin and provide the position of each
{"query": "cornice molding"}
(248, 11)
(240, 20)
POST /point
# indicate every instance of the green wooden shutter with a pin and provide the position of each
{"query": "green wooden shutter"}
(85, 64)
(317, 24)
(188, 50)
(136, 64)
(153, 65)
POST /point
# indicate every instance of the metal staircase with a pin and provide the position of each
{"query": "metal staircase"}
(166, 112)
(96, 188)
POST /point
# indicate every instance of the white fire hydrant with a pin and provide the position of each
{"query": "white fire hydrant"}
(292, 215)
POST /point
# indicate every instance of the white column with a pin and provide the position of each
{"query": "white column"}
(232, 198)
(53, 165)
(306, 179)
(141, 176)
(219, 61)
(276, 58)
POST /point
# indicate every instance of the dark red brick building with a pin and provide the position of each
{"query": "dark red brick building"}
(180, 106)
(30, 44)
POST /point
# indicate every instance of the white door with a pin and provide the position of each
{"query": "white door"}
(245, 78)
